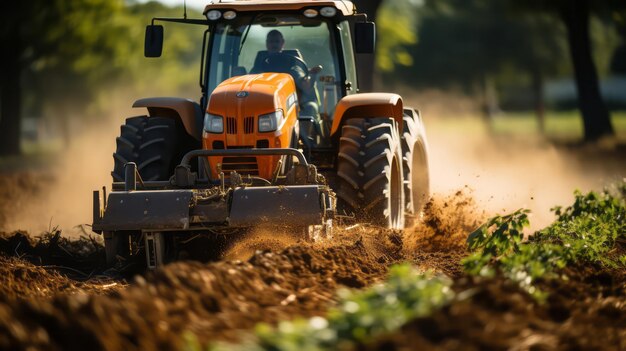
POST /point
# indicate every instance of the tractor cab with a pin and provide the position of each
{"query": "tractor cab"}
(311, 42)
(284, 43)
(301, 46)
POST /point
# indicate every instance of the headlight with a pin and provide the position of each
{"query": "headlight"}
(230, 15)
(213, 15)
(213, 123)
(270, 121)
(310, 13)
(328, 11)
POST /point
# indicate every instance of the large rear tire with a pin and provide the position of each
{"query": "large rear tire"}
(415, 166)
(370, 171)
(155, 144)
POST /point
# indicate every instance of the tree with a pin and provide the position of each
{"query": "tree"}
(456, 36)
(396, 21)
(480, 44)
(540, 52)
(66, 42)
(596, 119)
(395, 31)
(618, 63)
(575, 15)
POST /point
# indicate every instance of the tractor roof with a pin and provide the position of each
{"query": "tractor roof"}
(347, 8)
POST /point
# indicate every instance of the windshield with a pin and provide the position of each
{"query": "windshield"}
(239, 45)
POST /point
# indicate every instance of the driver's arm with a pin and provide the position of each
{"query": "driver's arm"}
(305, 80)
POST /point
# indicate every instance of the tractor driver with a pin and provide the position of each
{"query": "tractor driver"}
(278, 61)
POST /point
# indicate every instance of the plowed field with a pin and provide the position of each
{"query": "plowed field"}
(56, 293)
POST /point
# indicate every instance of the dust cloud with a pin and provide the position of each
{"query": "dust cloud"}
(63, 199)
(260, 239)
(505, 173)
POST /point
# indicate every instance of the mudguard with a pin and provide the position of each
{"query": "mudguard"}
(367, 105)
(187, 111)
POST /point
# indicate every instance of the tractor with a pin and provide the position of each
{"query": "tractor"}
(281, 137)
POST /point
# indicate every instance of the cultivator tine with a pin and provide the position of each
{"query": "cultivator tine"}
(154, 250)
(130, 176)
(97, 208)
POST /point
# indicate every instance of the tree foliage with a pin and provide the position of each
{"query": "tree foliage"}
(80, 53)
(473, 43)
(575, 15)
(67, 57)
(461, 42)
(395, 21)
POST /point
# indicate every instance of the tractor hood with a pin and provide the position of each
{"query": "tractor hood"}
(258, 111)
(250, 95)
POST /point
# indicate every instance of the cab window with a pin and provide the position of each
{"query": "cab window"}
(237, 43)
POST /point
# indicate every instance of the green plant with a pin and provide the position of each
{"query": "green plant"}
(383, 308)
(359, 316)
(584, 233)
(590, 227)
(499, 237)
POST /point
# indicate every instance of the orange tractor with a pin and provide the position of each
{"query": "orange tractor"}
(281, 137)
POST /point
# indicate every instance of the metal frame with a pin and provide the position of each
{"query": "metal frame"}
(132, 176)
(244, 152)
(181, 20)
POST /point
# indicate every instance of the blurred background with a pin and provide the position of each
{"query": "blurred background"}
(523, 100)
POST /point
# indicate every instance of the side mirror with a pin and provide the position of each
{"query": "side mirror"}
(153, 45)
(364, 37)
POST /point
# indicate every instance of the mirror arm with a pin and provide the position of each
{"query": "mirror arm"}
(200, 21)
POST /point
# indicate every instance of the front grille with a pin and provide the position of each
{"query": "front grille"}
(248, 125)
(240, 164)
(231, 125)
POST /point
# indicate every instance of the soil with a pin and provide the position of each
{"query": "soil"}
(56, 293)
(49, 310)
(585, 312)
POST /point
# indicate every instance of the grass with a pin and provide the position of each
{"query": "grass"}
(34, 156)
(561, 125)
